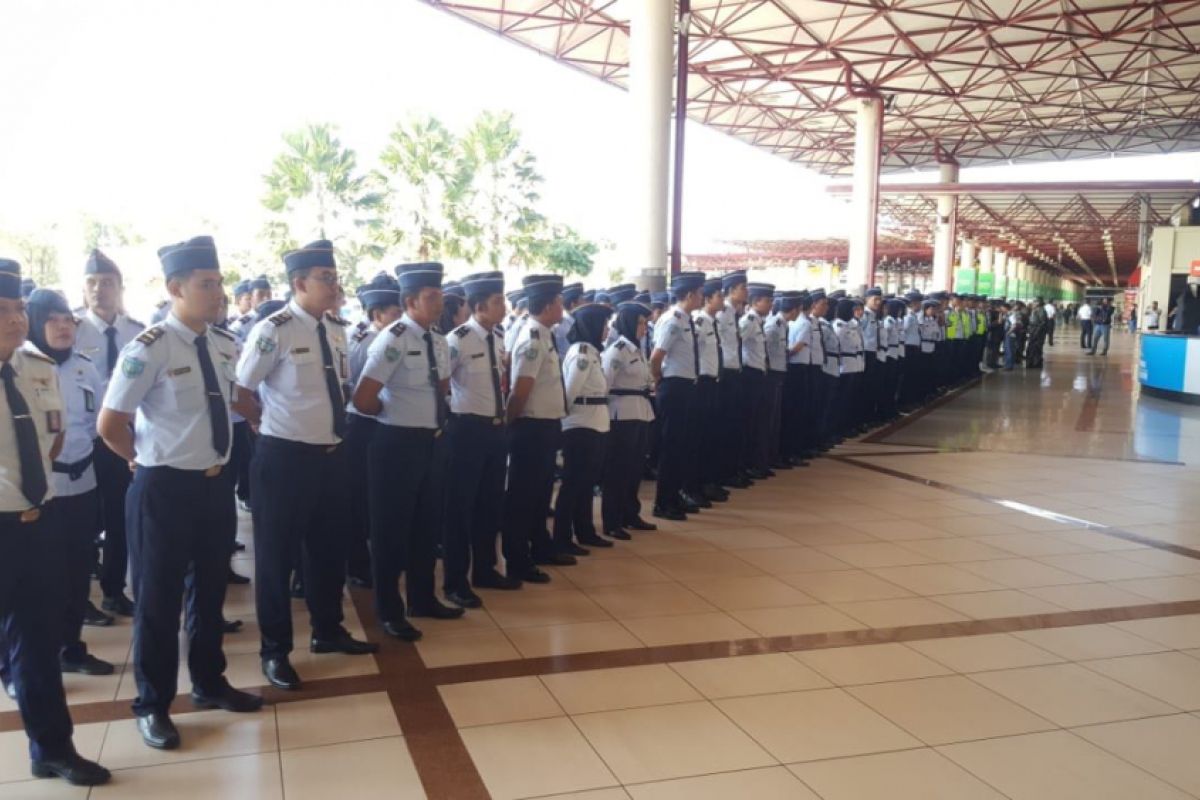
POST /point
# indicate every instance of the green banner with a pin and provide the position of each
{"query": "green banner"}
(1001, 286)
(985, 284)
(1023, 290)
(964, 280)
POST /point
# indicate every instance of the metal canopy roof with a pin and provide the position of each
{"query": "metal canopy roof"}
(977, 81)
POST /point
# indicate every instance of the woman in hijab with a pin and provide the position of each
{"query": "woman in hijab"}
(584, 431)
(850, 345)
(629, 410)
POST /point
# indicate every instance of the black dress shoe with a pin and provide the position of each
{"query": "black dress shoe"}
(715, 493)
(235, 579)
(402, 630)
(781, 465)
(699, 501)
(297, 590)
(640, 524)
(95, 617)
(88, 665)
(231, 625)
(227, 699)
(74, 769)
(618, 534)
(534, 575)
(494, 580)
(688, 508)
(343, 642)
(118, 604)
(595, 541)
(555, 560)
(738, 482)
(571, 549)
(158, 731)
(669, 513)
(465, 598)
(280, 673)
(434, 610)
(360, 582)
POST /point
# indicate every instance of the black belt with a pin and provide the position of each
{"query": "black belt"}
(298, 447)
(630, 393)
(591, 401)
(75, 469)
(480, 418)
(712, 378)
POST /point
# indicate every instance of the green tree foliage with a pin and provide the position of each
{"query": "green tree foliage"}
(103, 235)
(565, 251)
(37, 253)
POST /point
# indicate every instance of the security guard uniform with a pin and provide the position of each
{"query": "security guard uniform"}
(675, 336)
(627, 372)
(731, 441)
(754, 384)
(705, 466)
(775, 331)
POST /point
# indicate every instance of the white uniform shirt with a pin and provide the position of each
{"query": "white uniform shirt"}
(535, 357)
(37, 381)
(91, 339)
(472, 389)
(1085, 312)
(731, 343)
(832, 348)
(673, 335)
(512, 331)
(358, 344)
(82, 391)
(912, 328)
(1050, 310)
(889, 335)
(869, 325)
(399, 359)
(754, 341)
(560, 333)
(626, 368)
(816, 343)
(775, 330)
(283, 364)
(583, 377)
(706, 337)
(240, 326)
(800, 330)
(930, 331)
(159, 378)
(1151, 318)
(850, 345)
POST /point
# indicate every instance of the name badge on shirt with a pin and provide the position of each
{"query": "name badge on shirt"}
(54, 422)
(175, 373)
(89, 399)
(342, 367)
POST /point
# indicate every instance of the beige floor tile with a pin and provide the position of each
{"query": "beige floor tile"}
(580, 637)
(1170, 563)
(735, 594)
(1163, 746)
(594, 794)
(956, 549)
(744, 538)
(380, 769)
(33, 789)
(1084, 596)
(589, 574)
(770, 783)
(621, 687)
(797, 620)
(791, 560)
(334, 720)
(947, 709)
(466, 648)
(525, 610)
(870, 663)
(675, 741)
(665, 541)
(565, 761)
(1168, 589)
(688, 628)
(869, 555)
(974, 525)
(649, 600)
(496, 701)
(1068, 694)
(703, 566)
(14, 749)
(1034, 545)
(1021, 573)
(984, 652)
(1081, 642)
(998, 604)
(1056, 765)
(740, 676)
(927, 579)
(921, 774)
(895, 529)
(205, 735)
(899, 612)
(1180, 632)
(1101, 566)
(1171, 677)
(254, 776)
(845, 586)
(823, 723)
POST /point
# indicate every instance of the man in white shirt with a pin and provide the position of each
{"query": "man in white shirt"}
(1051, 310)
(1151, 316)
(1085, 325)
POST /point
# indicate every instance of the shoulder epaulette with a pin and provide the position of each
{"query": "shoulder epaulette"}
(40, 356)
(335, 319)
(361, 326)
(462, 330)
(534, 333)
(499, 329)
(133, 321)
(362, 334)
(397, 329)
(280, 317)
(620, 344)
(583, 348)
(223, 332)
(85, 358)
(678, 314)
(152, 335)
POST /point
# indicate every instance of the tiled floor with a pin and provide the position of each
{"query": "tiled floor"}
(1000, 598)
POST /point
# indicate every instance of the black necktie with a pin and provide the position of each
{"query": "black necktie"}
(217, 411)
(720, 355)
(737, 329)
(695, 345)
(563, 386)
(766, 347)
(337, 401)
(491, 346)
(110, 333)
(438, 398)
(33, 471)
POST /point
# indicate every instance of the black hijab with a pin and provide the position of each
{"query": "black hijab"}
(628, 315)
(845, 309)
(40, 305)
(589, 324)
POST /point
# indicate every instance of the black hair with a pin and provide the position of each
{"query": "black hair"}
(450, 306)
(377, 308)
(474, 301)
(539, 303)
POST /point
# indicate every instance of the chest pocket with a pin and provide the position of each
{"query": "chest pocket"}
(187, 390)
(47, 400)
(305, 369)
(414, 367)
(478, 362)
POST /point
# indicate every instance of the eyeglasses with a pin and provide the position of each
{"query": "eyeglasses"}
(327, 278)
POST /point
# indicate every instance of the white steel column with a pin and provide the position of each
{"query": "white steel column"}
(985, 258)
(943, 235)
(651, 76)
(864, 213)
(999, 261)
(967, 251)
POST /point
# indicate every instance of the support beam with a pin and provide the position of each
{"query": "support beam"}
(985, 258)
(651, 73)
(966, 249)
(868, 139)
(943, 233)
(681, 105)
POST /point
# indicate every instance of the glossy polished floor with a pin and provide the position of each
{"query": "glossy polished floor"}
(997, 598)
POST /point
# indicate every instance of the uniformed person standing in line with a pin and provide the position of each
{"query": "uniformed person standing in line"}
(797, 418)
(850, 364)
(76, 501)
(659, 301)
(627, 372)
(675, 364)
(478, 450)
(875, 348)
(380, 300)
(730, 389)
(572, 296)
(404, 384)
(516, 319)
(754, 380)
(536, 405)
(296, 360)
(103, 331)
(31, 577)
(239, 321)
(913, 381)
(784, 310)
(167, 411)
(704, 465)
(832, 370)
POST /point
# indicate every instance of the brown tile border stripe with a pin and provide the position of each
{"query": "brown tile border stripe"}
(878, 436)
(934, 450)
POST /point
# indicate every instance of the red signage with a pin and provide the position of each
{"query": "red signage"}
(1195, 272)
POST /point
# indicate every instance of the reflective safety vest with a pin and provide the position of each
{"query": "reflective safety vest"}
(954, 325)
(980, 322)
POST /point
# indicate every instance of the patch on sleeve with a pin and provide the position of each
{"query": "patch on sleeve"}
(391, 354)
(265, 345)
(132, 367)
